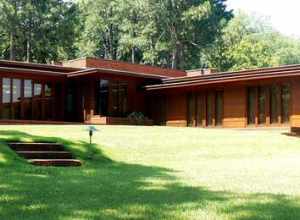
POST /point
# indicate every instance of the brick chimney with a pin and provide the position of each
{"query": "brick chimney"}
(201, 72)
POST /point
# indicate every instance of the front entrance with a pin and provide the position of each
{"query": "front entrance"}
(111, 98)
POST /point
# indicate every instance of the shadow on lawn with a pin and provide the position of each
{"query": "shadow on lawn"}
(106, 189)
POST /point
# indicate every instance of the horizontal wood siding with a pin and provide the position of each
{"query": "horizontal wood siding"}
(295, 108)
(235, 106)
(177, 110)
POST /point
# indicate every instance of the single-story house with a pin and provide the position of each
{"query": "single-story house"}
(98, 91)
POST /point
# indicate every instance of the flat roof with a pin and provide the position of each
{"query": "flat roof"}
(226, 77)
(89, 71)
(37, 66)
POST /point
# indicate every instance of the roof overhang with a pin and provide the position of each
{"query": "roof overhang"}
(32, 71)
(91, 71)
(222, 78)
(37, 66)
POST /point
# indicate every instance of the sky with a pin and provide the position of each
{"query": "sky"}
(283, 15)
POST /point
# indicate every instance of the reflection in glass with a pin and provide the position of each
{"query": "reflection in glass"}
(219, 108)
(6, 98)
(262, 105)
(27, 88)
(6, 90)
(251, 105)
(274, 110)
(209, 110)
(16, 90)
(286, 95)
(48, 89)
(37, 89)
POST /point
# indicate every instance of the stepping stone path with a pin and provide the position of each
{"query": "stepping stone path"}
(45, 154)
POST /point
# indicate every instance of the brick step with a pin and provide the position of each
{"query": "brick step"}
(36, 146)
(45, 154)
(55, 162)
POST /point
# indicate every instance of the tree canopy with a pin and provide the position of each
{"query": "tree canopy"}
(251, 42)
(182, 34)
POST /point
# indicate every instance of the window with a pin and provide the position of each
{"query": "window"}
(191, 109)
(119, 99)
(37, 89)
(6, 98)
(251, 105)
(274, 104)
(27, 103)
(102, 99)
(27, 88)
(16, 90)
(262, 105)
(219, 108)
(285, 103)
(16, 98)
(6, 90)
(209, 109)
(48, 89)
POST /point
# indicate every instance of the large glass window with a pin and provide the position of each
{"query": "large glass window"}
(262, 95)
(27, 102)
(285, 103)
(102, 97)
(274, 104)
(27, 88)
(6, 98)
(16, 98)
(119, 99)
(16, 90)
(219, 108)
(191, 109)
(48, 89)
(209, 109)
(6, 90)
(18, 101)
(251, 105)
(37, 89)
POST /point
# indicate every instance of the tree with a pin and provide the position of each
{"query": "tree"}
(250, 42)
(40, 31)
(169, 33)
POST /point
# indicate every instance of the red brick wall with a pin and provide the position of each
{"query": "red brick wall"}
(117, 65)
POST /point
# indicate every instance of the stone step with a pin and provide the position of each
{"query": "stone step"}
(36, 146)
(55, 162)
(45, 154)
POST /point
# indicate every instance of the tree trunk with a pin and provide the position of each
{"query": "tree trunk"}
(133, 55)
(12, 52)
(12, 49)
(174, 58)
(28, 50)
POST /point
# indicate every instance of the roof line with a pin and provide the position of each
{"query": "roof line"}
(229, 78)
(37, 65)
(22, 70)
(243, 72)
(113, 71)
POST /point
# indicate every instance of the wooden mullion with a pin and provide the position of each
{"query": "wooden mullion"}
(279, 105)
(22, 100)
(268, 107)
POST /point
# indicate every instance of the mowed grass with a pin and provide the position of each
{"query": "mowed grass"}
(154, 173)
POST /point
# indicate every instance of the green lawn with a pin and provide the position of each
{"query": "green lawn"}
(154, 173)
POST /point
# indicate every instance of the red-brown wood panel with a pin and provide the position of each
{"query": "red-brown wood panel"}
(235, 106)
(177, 110)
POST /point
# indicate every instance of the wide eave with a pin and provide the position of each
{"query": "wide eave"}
(227, 77)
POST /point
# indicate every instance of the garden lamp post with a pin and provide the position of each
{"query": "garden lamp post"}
(91, 131)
